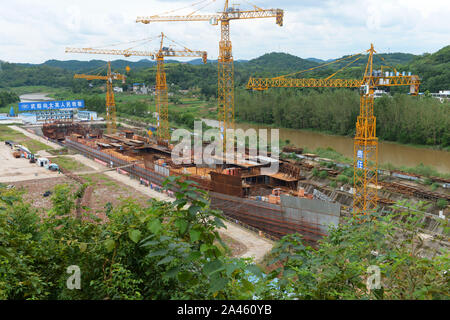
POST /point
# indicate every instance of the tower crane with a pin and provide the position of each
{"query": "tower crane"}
(161, 94)
(365, 155)
(110, 101)
(225, 61)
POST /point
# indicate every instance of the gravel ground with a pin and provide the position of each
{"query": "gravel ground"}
(113, 187)
(20, 169)
(36, 137)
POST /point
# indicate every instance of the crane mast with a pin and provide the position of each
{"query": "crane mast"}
(365, 150)
(162, 100)
(161, 92)
(111, 125)
(225, 87)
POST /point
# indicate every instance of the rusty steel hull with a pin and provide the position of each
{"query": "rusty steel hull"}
(274, 219)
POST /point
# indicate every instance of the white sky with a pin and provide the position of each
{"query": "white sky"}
(36, 31)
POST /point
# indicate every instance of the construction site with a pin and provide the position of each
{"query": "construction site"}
(289, 201)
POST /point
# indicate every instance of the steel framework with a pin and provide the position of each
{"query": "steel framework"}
(162, 107)
(365, 157)
(225, 89)
(110, 101)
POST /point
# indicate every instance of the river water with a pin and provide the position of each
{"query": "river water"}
(396, 154)
(388, 152)
(34, 97)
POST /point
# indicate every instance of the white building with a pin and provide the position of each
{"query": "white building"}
(380, 93)
(118, 89)
(30, 118)
(84, 115)
(442, 95)
(140, 88)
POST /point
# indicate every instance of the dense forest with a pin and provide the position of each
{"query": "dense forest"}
(167, 250)
(14, 75)
(434, 70)
(7, 97)
(402, 118)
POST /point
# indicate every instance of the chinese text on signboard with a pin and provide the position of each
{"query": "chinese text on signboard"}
(50, 105)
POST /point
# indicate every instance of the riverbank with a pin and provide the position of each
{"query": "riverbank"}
(328, 133)
(391, 154)
(198, 109)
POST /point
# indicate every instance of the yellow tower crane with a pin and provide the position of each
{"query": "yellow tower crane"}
(110, 102)
(365, 158)
(161, 94)
(225, 61)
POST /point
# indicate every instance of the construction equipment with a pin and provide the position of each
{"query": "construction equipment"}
(225, 61)
(161, 94)
(110, 101)
(365, 159)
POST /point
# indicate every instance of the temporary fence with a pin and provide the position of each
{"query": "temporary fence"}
(267, 217)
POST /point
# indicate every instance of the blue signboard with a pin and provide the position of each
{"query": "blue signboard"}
(360, 154)
(360, 164)
(50, 105)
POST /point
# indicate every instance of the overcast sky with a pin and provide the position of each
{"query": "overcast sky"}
(36, 31)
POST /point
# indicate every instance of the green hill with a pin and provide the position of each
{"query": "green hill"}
(276, 63)
(433, 69)
(15, 75)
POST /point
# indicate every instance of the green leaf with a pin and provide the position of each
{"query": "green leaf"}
(191, 195)
(109, 245)
(135, 235)
(247, 285)
(83, 247)
(218, 284)
(182, 225)
(154, 226)
(158, 253)
(193, 210)
(255, 270)
(195, 255)
(165, 260)
(192, 182)
(213, 267)
(231, 267)
(172, 273)
(180, 203)
(195, 235)
(142, 218)
(219, 223)
(184, 276)
(4, 252)
(149, 243)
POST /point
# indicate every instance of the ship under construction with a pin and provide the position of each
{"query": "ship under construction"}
(275, 204)
(272, 203)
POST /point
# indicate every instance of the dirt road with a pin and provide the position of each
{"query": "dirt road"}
(36, 137)
(257, 247)
(20, 169)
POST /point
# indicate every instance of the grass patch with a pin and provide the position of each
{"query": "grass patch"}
(88, 178)
(34, 89)
(69, 163)
(420, 169)
(7, 133)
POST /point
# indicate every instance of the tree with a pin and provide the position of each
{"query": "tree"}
(162, 251)
(339, 267)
